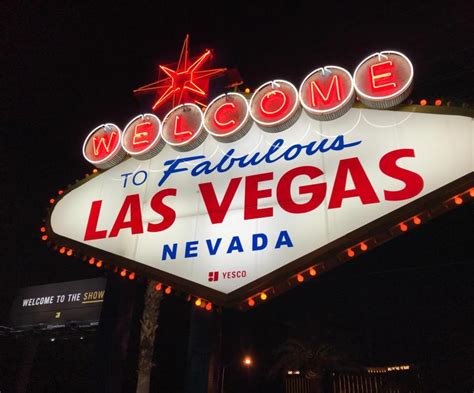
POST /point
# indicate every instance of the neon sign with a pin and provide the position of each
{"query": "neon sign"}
(183, 127)
(103, 147)
(184, 83)
(382, 80)
(227, 118)
(142, 138)
(274, 106)
(327, 93)
(303, 183)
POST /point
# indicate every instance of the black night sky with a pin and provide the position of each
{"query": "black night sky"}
(70, 66)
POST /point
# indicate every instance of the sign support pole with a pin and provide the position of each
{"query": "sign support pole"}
(113, 335)
(204, 352)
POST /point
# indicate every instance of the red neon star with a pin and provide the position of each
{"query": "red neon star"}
(182, 84)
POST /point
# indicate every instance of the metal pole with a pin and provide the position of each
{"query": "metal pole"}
(222, 378)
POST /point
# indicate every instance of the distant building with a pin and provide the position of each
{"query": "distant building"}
(390, 379)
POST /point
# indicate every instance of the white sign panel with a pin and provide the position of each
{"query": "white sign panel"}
(226, 214)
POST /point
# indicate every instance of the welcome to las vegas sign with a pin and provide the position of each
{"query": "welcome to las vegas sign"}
(231, 203)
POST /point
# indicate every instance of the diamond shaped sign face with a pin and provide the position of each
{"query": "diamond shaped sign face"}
(225, 221)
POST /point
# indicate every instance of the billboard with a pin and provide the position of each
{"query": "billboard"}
(57, 304)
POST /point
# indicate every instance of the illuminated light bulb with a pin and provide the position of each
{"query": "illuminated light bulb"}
(91, 261)
(158, 287)
(62, 250)
(99, 264)
(363, 246)
(423, 102)
(458, 200)
(44, 237)
(51, 200)
(471, 192)
(350, 252)
(60, 192)
(312, 272)
(43, 229)
(198, 302)
(168, 290)
(123, 273)
(131, 276)
(403, 227)
(209, 306)
(417, 220)
(94, 170)
(263, 296)
(300, 278)
(69, 253)
(251, 302)
(247, 90)
(438, 102)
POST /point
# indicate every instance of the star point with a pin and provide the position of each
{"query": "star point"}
(183, 83)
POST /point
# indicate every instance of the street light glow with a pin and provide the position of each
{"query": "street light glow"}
(247, 360)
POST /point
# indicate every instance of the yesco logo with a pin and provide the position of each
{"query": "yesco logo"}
(230, 275)
(381, 80)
